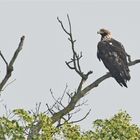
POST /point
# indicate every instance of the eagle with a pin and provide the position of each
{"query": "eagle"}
(114, 57)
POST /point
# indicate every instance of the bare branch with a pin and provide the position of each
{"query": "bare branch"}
(57, 116)
(69, 23)
(104, 77)
(81, 93)
(76, 121)
(17, 51)
(8, 113)
(58, 101)
(62, 26)
(75, 60)
(64, 92)
(68, 64)
(129, 57)
(95, 84)
(37, 108)
(134, 62)
(3, 59)
(50, 109)
(8, 84)
(10, 65)
(81, 104)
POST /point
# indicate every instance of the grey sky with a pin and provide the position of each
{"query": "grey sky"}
(40, 66)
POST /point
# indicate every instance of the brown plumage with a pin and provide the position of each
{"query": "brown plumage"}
(114, 57)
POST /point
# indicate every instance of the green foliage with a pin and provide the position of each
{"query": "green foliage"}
(10, 129)
(24, 115)
(116, 128)
(47, 128)
(24, 123)
(71, 132)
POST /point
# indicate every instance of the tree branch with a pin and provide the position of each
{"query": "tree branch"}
(75, 60)
(82, 118)
(134, 62)
(78, 95)
(3, 59)
(9, 67)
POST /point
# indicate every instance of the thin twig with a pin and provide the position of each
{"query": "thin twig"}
(75, 60)
(76, 121)
(57, 100)
(3, 59)
(50, 110)
(8, 84)
(62, 25)
(69, 23)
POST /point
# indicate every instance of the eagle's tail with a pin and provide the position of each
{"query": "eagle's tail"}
(126, 75)
(121, 78)
(121, 81)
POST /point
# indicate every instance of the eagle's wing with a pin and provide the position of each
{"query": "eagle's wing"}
(114, 59)
(118, 47)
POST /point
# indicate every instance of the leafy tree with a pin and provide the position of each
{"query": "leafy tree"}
(21, 126)
(118, 127)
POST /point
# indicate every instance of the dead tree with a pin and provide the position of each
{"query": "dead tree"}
(9, 65)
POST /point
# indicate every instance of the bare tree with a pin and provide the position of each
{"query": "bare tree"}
(9, 66)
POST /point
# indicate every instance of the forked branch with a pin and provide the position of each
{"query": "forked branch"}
(74, 63)
(58, 105)
(9, 66)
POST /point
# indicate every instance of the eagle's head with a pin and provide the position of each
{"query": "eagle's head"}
(104, 33)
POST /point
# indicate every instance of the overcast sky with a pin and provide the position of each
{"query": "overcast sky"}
(41, 64)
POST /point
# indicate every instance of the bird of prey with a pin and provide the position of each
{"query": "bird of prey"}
(114, 57)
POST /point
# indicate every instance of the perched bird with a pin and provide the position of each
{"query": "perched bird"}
(114, 57)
